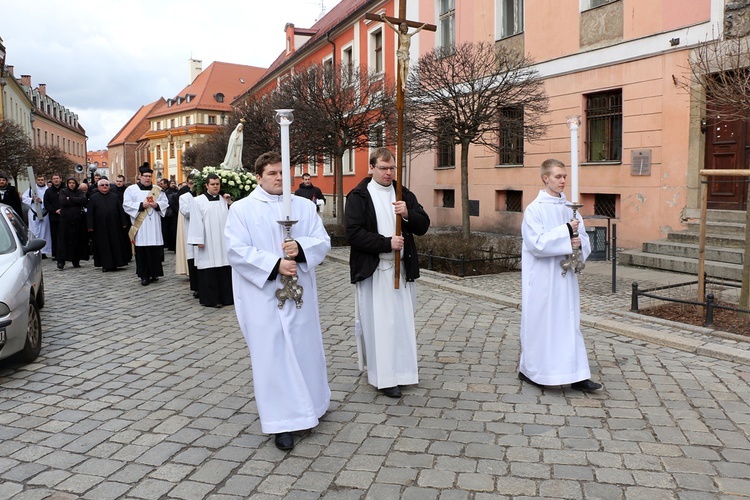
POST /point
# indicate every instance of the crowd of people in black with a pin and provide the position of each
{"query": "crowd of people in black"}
(86, 218)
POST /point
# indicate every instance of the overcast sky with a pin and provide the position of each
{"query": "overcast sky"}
(104, 59)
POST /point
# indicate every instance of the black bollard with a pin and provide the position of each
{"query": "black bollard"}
(634, 298)
(709, 310)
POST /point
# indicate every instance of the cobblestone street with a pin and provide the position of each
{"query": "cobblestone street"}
(141, 393)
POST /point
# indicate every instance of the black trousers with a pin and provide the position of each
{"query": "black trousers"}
(193, 272)
(148, 261)
(215, 286)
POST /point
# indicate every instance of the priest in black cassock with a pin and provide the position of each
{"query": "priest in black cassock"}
(106, 221)
(208, 216)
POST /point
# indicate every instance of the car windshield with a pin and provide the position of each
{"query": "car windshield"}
(7, 242)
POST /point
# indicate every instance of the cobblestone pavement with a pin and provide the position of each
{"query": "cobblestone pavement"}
(140, 393)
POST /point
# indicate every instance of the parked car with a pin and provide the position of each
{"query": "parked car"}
(21, 288)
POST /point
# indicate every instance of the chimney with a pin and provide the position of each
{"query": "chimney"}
(42, 88)
(196, 67)
(26, 80)
(289, 29)
(10, 71)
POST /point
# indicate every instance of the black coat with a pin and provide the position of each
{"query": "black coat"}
(106, 218)
(366, 243)
(12, 199)
(72, 239)
(52, 202)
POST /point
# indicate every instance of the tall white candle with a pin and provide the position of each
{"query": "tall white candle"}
(284, 118)
(574, 122)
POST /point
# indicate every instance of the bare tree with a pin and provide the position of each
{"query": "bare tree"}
(720, 85)
(48, 160)
(261, 133)
(210, 152)
(15, 150)
(475, 94)
(338, 108)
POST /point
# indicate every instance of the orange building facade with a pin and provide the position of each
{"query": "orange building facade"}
(342, 36)
(198, 111)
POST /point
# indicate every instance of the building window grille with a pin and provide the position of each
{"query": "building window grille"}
(604, 126)
(605, 205)
(511, 136)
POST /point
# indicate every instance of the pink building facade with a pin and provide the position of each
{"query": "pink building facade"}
(622, 66)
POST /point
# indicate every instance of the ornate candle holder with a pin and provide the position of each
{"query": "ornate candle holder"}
(290, 289)
(573, 261)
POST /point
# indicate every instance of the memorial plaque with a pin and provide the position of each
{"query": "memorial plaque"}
(640, 162)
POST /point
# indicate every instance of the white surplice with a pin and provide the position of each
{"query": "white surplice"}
(38, 225)
(207, 221)
(183, 251)
(149, 233)
(384, 316)
(552, 347)
(286, 346)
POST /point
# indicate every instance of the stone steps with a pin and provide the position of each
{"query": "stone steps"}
(676, 264)
(678, 252)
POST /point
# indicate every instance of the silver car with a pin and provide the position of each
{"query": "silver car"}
(21, 288)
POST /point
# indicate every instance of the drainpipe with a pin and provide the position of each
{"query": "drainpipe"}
(335, 174)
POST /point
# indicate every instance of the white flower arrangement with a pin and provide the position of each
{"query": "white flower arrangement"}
(236, 184)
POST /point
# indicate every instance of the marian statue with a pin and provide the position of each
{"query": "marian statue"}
(233, 159)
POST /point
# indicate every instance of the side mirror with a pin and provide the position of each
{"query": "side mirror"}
(34, 245)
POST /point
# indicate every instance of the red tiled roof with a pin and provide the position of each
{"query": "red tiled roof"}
(228, 79)
(128, 132)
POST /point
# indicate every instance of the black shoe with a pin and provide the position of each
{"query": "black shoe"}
(528, 380)
(195, 294)
(392, 392)
(144, 281)
(586, 386)
(154, 278)
(284, 441)
(60, 265)
(76, 264)
(44, 256)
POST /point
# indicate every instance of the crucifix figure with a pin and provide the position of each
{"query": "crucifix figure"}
(402, 55)
(404, 43)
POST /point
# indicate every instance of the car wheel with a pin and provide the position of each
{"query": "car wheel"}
(40, 294)
(33, 345)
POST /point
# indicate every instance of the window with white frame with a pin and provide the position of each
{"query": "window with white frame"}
(347, 64)
(377, 136)
(509, 17)
(376, 50)
(447, 24)
(348, 162)
(590, 4)
(328, 165)
(312, 164)
(298, 170)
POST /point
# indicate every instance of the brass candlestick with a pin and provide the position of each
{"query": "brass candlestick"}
(290, 289)
(573, 261)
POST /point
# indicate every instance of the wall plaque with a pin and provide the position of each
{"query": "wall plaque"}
(640, 162)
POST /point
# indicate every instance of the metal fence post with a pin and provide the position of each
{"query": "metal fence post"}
(613, 251)
(634, 298)
(429, 260)
(462, 268)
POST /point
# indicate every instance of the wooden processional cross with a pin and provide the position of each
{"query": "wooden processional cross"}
(401, 25)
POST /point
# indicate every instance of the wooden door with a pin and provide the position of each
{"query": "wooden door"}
(727, 147)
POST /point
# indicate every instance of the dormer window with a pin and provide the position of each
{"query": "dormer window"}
(169, 103)
(179, 100)
(189, 97)
(219, 97)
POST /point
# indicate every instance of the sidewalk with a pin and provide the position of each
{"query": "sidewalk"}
(603, 309)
